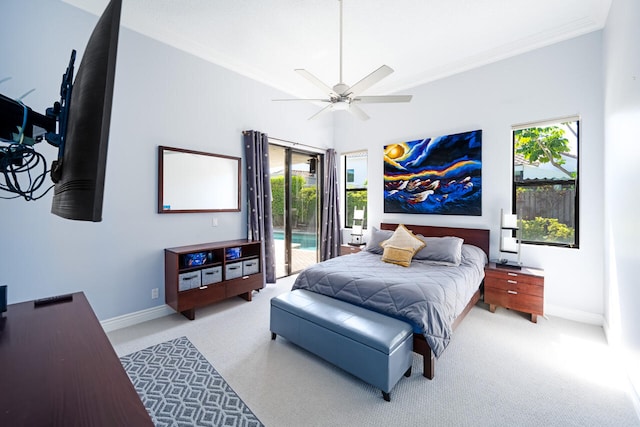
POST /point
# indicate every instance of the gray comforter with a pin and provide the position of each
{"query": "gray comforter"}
(429, 297)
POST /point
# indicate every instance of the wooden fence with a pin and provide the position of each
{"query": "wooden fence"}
(547, 202)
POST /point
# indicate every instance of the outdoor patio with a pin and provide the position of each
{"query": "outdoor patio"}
(301, 258)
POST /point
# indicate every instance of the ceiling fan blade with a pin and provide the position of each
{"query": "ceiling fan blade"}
(384, 98)
(316, 81)
(368, 81)
(303, 99)
(358, 112)
(322, 111)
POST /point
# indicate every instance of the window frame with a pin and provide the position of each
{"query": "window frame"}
(515, 185)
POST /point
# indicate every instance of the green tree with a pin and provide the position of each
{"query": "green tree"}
(544, 145)
(297, 202)
(303, 201)
(308, 211)
(277, 200)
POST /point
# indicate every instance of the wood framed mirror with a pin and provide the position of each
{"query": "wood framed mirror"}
(195, 181)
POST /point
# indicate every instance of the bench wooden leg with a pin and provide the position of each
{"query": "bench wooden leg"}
(273, 335)
(386, 396)
(408, 373)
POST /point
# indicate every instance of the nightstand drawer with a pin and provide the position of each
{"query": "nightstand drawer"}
(515, 284)
(514, 300)
(350, 249)
(515, 275)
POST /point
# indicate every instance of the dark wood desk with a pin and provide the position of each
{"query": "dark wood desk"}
(58, 368)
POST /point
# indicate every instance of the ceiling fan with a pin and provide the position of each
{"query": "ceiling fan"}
(344, 97)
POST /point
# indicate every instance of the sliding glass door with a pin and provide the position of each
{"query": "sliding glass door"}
(295, 189)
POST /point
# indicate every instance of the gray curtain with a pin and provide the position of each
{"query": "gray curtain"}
(330, 237)
(256, 147)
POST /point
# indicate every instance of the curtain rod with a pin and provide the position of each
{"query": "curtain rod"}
(294, 144)
(291, 143)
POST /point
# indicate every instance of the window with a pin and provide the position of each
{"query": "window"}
(355, 173)
(545, 181)
(351, 174)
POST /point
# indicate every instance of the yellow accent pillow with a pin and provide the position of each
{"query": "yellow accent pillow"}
(403, 238)
(399, 256)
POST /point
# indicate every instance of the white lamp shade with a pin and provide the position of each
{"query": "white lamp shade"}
(509, 220)
(509, 244)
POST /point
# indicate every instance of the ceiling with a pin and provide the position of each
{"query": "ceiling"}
(422, 40)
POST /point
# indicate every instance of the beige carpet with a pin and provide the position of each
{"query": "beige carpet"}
(499, 370)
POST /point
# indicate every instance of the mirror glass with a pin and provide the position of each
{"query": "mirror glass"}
(194, 181)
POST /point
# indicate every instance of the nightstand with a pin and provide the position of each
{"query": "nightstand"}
(350, 249)
(517, 289)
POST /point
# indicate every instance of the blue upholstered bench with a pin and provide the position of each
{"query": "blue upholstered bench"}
(375, 348)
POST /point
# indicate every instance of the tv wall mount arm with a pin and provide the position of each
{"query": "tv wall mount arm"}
(21, 128)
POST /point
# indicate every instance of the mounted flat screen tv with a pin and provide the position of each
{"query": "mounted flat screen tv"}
(79, 172)
(195, 181)
(78, 125)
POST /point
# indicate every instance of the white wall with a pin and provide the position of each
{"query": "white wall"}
(622, 202)
(557, 81)
(162, 97)
(166, 97)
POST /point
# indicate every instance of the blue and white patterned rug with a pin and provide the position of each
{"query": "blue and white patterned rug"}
(179, 387)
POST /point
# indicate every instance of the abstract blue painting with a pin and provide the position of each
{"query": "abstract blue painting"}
(440, 175)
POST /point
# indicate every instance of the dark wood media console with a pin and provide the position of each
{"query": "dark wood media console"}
(198, 275)
(59, 369)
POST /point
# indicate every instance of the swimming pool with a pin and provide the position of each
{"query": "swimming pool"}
(305, 240)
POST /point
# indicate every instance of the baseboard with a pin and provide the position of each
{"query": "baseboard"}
(137, 317)
(576, 315)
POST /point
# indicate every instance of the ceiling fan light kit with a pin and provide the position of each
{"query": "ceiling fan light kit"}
(341, 106)
(343, 97)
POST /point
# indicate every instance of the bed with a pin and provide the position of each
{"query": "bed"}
(432, 296)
